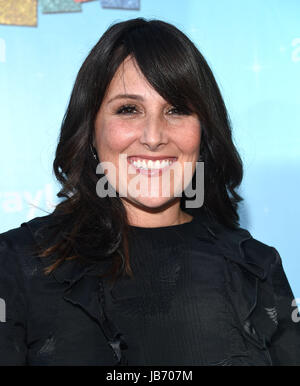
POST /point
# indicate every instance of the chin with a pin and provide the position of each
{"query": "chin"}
(153, 202)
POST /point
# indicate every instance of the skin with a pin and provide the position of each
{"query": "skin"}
(150, 126)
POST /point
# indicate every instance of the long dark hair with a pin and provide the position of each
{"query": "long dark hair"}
(92, 228)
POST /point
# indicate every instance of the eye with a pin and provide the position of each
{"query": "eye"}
(177, 110)
(126, 109)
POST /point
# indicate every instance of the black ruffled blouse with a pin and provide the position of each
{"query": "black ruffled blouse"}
(177, 310)
(200, 295)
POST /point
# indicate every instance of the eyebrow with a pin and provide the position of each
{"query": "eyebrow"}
(126, 96)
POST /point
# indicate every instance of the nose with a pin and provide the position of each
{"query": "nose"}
(154, 133)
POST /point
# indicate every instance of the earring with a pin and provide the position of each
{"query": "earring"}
(94, 153)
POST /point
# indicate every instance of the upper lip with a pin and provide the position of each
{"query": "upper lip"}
(153, 158)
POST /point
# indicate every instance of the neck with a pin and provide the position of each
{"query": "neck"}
(155, 217)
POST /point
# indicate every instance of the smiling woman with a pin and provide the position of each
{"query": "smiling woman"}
(137, 277)
(153, 134)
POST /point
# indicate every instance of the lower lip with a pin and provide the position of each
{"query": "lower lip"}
(151, 172)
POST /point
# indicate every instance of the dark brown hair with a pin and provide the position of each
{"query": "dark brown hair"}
(93, 228)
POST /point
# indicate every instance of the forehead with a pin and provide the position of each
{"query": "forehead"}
(129, 79)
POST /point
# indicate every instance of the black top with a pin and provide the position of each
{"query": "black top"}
(200, 295)
(175, 311)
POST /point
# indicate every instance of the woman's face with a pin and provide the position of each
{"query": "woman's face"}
(134, 120)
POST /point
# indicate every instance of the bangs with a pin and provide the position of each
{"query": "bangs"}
(164, 56)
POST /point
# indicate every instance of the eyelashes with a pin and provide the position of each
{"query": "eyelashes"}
(132, 109)
(126, 109)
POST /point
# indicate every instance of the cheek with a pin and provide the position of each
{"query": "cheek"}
(112, 136)
(189, 142)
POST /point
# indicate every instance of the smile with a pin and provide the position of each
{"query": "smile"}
(151, 167)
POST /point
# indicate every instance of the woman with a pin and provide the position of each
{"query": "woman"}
(119, 276)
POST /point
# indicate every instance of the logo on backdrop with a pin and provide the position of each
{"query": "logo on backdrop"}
(18, 201)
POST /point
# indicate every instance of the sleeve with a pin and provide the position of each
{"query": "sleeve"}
(285, 343)
(12, 307)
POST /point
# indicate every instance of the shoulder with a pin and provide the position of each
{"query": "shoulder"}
(239, 246)
(25, 232)
(20, 241)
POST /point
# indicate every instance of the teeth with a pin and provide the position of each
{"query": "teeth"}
(157, 164)
(143, 164)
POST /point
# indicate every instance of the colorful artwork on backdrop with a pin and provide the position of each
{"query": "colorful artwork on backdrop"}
(56, 6)
(18, 12)
(24, 12)
(121, 4)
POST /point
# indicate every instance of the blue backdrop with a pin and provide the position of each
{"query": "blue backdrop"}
(253, 48)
